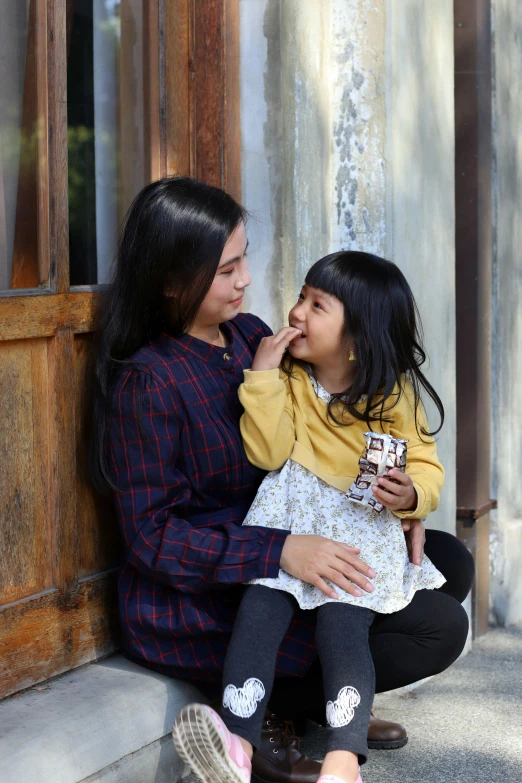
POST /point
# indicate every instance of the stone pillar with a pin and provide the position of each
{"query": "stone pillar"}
(506, 522)
(262, 154)
(420, 192)
(358, 78)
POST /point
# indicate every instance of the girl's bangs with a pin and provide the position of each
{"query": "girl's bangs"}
(325, 276)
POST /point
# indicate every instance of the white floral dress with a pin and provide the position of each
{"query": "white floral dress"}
(295, 499)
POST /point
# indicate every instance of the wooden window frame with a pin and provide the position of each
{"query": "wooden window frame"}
(182, 33)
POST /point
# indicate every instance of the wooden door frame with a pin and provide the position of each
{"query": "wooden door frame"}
(200, 67)
(474, 258)
(192, 121)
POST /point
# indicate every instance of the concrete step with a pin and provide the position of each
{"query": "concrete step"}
(107, 722)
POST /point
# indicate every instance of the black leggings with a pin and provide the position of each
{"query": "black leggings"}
(342, 645)
(419, 641)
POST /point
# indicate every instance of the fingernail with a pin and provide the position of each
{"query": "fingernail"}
(333, 595)
(357, 591)
(371, 573)
(369, 587)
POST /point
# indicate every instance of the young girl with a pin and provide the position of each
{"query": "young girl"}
(352, 364)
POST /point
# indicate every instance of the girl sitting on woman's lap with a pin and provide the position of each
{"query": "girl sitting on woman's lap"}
(348, 362)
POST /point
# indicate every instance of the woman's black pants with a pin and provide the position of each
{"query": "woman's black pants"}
(419, 641)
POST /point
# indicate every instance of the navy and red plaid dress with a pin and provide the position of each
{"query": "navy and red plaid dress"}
(185, 486)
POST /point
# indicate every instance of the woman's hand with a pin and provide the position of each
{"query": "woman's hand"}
(271, 349)
(313, 559)
(396, 492)
(415, 535)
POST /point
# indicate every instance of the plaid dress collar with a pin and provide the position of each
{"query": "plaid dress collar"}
(211, 354)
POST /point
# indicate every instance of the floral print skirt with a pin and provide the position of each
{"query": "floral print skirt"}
(293, 498)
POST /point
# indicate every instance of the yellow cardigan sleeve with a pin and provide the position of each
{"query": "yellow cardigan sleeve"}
(422, 464)
(267, 424)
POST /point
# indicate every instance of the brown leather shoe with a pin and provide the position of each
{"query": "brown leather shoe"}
(384, 735)
(278, 758)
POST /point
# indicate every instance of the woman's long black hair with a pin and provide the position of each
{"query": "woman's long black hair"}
(172, 239)
(382, 321)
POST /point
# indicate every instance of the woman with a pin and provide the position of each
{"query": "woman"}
(166, 440)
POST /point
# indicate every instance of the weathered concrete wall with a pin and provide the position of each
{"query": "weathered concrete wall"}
(262, 154)
(348, 142)
(313, 117)
(359, 126)
(421, 190)
(506, 533)
(306, 139)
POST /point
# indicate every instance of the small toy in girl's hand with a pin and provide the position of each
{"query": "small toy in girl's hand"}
(382, 454)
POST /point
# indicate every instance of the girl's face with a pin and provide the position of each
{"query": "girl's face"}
(320, 316)
(225, 296)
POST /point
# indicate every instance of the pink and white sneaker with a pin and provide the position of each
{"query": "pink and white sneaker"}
(335, 779)
(206, 745)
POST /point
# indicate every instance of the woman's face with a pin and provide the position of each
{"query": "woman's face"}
(225, 296)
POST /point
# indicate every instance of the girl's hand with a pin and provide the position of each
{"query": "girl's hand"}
(415, 535)
(397, 495)
(271, 349)
(314, 558)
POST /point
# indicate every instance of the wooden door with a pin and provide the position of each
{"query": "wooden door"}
(59, 546)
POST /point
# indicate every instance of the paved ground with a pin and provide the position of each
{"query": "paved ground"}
(465, 726)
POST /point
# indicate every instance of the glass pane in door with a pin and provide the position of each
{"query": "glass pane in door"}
(107, 161)
(23, 145)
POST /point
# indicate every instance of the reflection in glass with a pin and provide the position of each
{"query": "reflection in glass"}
(105, 128)
(22, 145)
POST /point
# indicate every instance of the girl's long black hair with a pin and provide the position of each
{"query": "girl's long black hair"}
(382, 321)
(172, 239)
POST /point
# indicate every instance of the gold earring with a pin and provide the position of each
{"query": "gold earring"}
(351, 357)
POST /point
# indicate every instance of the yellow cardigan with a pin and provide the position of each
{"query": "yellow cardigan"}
(284, 418)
